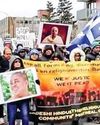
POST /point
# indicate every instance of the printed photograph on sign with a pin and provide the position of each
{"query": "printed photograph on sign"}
(54, 33)
(18, 85)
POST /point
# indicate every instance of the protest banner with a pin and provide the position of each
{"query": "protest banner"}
(18, 85)
(69, 90)
(24, 37)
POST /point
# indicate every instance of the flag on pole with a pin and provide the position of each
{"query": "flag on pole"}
(90, 32)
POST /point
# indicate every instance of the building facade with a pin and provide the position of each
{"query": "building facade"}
(84, 15)
(89, 10)
(8, 25)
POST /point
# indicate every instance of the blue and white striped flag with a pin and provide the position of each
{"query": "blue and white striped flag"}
(90, 32)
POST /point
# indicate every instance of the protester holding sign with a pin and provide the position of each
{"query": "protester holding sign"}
(23, 105)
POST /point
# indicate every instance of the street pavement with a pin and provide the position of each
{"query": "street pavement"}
(82, 122)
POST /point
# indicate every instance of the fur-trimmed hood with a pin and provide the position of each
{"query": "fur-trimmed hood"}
(77, 50)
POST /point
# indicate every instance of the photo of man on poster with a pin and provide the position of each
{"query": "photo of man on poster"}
(54, 33)
(19, 85)
(53, 38)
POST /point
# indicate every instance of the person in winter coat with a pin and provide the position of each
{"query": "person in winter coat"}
(22, 53)
(34, 55)
(4, 61)
(95, 51)
(47, 53)
(4, 66)
(56, 57)
(77, 54)
(23, 105)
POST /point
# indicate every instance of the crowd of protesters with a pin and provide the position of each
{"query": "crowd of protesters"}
(83, 52)
(47, 53)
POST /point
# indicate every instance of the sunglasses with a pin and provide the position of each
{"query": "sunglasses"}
(22, 51)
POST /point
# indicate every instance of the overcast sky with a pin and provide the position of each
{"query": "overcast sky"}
(28, 8)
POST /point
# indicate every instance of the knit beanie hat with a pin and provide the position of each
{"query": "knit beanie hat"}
(95, 43)
(34, 51)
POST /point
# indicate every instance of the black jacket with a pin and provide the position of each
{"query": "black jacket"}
(4, 64)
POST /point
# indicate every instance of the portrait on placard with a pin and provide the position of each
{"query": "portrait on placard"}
(54, 33)
(18, 85)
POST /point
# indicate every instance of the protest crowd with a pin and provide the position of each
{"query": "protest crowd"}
(84, 52)
(50, 52)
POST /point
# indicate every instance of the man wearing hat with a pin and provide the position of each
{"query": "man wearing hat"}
(95, 51)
